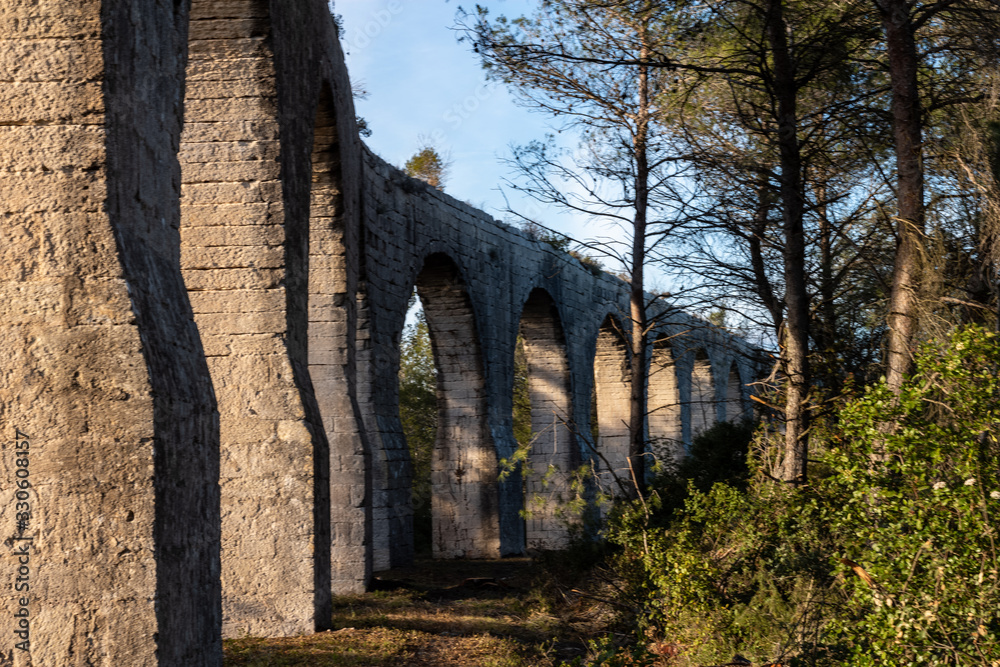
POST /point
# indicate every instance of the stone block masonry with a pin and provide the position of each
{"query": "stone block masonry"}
(237, 272)
(205, 278)
(104, 370)
(502, 283)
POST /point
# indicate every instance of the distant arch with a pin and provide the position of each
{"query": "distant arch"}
(553, 449)
(663, 404)
(703, 401)
(735, 409)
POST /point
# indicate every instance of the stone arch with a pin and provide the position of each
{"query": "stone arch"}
(735, 409)
(663, 404)
(703, 397)
(611, 393)
(553, 450)
(238, 264)
(464, 504)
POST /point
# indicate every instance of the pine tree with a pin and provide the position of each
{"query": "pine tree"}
(429, 166)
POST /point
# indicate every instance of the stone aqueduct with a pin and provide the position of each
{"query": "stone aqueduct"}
(205, 278)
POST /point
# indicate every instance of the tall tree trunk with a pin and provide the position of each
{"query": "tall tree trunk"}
(907, 128)
(795, 342)
(637, 296)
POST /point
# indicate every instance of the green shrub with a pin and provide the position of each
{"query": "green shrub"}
(718, 454)
(733, 572)
(889, 559)
(918, 504)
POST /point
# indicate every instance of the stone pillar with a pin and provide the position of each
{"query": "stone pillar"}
(104, 388)
(333, 266)
(275, 547)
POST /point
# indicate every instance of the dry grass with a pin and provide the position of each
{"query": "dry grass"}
(377, 646)
(460, 613)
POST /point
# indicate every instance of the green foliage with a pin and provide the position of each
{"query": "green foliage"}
(717, 318)
(563, 244)
(429, 166)
(718, 454)
(418, 413)
(889, 559)
(732, 572)
(525, 436)
(363, 128)
(916, 480)
(522, 398)
(521, 415)
(594, 266)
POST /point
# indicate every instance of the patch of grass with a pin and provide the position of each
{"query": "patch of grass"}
(375, 647)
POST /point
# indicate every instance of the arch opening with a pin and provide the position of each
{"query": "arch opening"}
(703, 404)
(735, 408)
(552, 446)
(418, 415)
(463, 464)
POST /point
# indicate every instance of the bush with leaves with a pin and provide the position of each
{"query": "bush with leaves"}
(733, 572)
(917, 482)
(429, 166)
(717, 562)
(889, 558)
(718, 454)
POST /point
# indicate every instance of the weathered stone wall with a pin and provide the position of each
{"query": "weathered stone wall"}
(112, 377)
(205, 280)
(265, 261)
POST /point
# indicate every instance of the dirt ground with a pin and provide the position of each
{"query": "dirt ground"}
(438, 613)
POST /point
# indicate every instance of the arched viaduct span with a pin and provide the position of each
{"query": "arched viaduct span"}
(482, 284)
(204, 281)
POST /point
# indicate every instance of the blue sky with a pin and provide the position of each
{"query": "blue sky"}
(422, 83)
